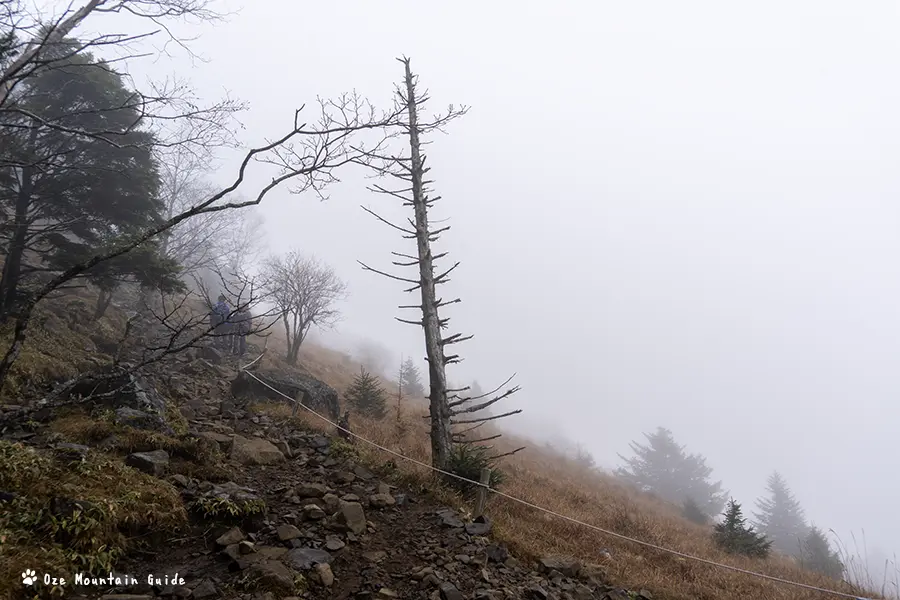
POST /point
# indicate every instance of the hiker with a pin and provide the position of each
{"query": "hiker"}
(222, 326)
(242, 324)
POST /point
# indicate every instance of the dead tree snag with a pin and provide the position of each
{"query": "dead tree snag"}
(415, 192)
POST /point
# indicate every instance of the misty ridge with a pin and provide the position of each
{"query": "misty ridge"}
(632, 267)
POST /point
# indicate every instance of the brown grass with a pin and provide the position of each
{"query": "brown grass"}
(123, 505)
(563, 486)
(58, 349)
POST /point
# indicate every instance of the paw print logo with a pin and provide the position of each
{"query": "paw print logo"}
(29, 577)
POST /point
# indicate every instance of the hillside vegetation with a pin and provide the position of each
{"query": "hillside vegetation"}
(561, 485)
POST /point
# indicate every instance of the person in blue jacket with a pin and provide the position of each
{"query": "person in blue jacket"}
(220, 323)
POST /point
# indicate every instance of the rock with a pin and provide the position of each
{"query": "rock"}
(344, 477)
(311, 490)
(314, 393)
(352, 516)
(118, 389)
(497, 553)
(141, 420)
(206, 589)
(274, 575)
(72, 452)
(154, 463)
(385, 593)
(536, 592)
(375, 556)
(127, 597)
(568, 566)
(287, 533)
(304, 559)
(332, 502)
(223, 440)
(333, 544)
(450, 519)
(232, 536)
(313, 512)
(246, 547)
(449, 592)
(381, 500)
(363, 473)
(326, 577)
(480, 526)
(232, 551)
(254, 451)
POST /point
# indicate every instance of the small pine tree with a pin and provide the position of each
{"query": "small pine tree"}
(410, 380)
(691, 511)
(367, 396)
(734, 536)
(819, 556)
(780, 517)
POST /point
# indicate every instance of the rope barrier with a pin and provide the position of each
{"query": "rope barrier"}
(558, 515)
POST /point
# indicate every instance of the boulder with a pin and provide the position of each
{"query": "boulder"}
(231, 537)
(287, 532)
(155, 462)
(315, 394)
(254, 451)
(117, 389)
(352, 516)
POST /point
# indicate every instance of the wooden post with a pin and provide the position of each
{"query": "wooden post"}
(481, 499)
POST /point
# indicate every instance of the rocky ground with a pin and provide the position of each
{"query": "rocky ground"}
(302, 518)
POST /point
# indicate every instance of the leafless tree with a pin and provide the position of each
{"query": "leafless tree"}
(308, 156)
(305, 292)
(177, 322)
(213, 242)
(446, 404)
(39, 143)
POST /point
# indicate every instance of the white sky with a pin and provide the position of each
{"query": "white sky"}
(680, 214)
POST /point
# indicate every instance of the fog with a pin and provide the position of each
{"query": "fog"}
(678, 214)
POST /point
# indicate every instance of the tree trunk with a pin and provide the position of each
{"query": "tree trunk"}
(441, 440)
(104, 299)
(12, 267)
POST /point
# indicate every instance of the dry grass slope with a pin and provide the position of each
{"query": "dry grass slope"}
(562, 486)
(65, 341)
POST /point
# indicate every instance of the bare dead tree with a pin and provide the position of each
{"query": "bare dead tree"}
(48, 137)
(41, 43)
(445, 404)
(161, 330)
(307, 156)
(305, 292)
(179, 322)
